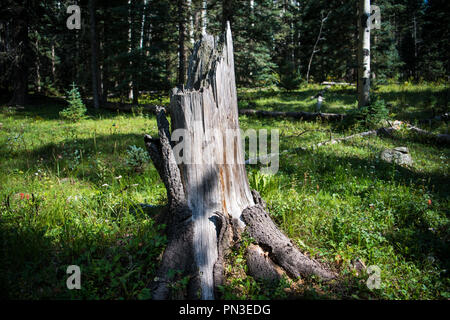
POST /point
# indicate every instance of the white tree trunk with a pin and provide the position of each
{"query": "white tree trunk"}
(363, 52)
(204, 16)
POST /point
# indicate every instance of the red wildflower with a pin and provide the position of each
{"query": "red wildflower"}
(27, 196)
(22, 195)
(429, 202)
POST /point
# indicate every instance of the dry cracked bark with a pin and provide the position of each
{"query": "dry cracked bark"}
(211, 203)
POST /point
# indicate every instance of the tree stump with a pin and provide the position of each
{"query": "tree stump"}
(210, 201)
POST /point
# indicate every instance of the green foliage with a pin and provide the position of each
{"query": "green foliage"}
(264, 183)
(239, 286)
(339, 203)
(266, 35)
(371, 116)
(76, 109)
(137, 158)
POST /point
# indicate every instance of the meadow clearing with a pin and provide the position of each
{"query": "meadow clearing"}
(71, 193)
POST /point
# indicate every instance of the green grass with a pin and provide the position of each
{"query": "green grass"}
(407, 101)
(339, 202)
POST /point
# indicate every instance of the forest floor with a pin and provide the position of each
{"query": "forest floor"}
(68, 196)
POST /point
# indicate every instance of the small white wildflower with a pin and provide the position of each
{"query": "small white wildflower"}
(73, 198)
(105, 185)
(119, 177)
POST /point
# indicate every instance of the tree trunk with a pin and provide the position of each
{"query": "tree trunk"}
(105, 66)
(20, 65)
(210, 201)
(37, 66)
(363, 53)
(181, 46)
(53, 64)
(94, 56)
(204, 16)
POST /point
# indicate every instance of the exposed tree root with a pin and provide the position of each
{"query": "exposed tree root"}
(280, 249)
(272, 256)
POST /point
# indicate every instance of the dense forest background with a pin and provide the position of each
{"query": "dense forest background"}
(144, 45)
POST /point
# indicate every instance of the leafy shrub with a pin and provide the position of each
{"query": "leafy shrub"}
(243, 104)
(137, 111)
(371, 116)
(76, 109)
(136, 158)
(264, 183)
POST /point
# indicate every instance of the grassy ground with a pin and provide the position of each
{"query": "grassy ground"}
(407, 101)
(68, 196)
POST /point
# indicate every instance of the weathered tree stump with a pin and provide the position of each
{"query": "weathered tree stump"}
(210, 201)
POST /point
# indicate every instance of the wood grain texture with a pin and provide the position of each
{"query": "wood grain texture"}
(279, 248)
(210, 201)
(215, 179)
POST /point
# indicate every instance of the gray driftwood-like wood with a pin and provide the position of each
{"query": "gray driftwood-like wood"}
(279, 247)
(178, 255)
(441, 138)
(210, 201)
(209, 102)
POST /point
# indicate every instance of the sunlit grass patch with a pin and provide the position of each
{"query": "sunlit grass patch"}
(68, 195)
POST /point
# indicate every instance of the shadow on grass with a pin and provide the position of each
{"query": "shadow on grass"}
(80, 155)
(417, 104)
(408, 104)
(34, 263)
(48, 108)
(415, 235)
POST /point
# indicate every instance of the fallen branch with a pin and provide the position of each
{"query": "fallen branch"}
(442, 117)
(440, 138)
(331, 83)
(380, 131)
(128, 107)
(299, 115)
